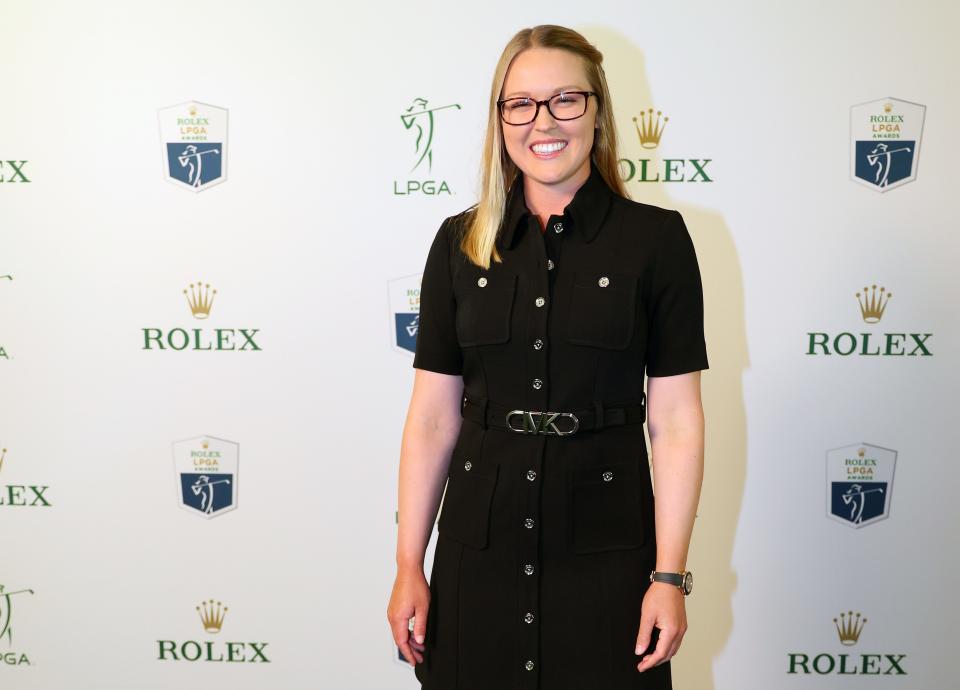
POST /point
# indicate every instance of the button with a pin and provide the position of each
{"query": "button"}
(540, 301)
(531, 475)
(528, 523)
(550, 264)
(467, 465)
(481, 281)
(537, 344)
(607, 476)
(528, 569)
(538, 384)
(603, 282)
(528, 618)
(528, 665)
(558, 227)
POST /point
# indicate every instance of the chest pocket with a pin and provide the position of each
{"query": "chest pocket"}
(465, 515)
(485, 308)
(602, 309)
(605, 508)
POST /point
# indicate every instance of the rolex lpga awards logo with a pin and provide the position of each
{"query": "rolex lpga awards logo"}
(885, 142)
(199, 298)
(873, 302)
(405, 311)
(194, 140)
(21, 495)
(10, 656)
(420, 121)
(849, 627)
(207, 474)
(11, 172)
(859, 483)
(650, 126)
(212, 615)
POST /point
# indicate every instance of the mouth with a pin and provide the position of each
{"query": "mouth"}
(548, 149)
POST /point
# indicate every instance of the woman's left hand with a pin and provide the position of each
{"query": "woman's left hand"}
(663, 607)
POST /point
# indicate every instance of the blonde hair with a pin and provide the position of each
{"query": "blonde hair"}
(498, 171)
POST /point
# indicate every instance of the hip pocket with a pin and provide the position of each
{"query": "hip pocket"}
(605, 507)
(465, 513)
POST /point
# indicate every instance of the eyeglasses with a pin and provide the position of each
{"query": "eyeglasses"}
(566, 105)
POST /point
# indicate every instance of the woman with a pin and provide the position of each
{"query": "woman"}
(540, 309)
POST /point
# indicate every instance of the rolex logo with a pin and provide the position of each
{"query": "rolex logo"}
(649, 130)
(212, 614)
(873, 303)
(200, 299)
(849, 627)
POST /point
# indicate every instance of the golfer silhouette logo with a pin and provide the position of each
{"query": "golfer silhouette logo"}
(5, 612)
(207, 470)
(192, 159)
(204, 488)
(419, 119)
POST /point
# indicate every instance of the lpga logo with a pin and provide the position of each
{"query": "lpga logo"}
(420, 119)
(6, 631)
(206, 474)
(194, 138)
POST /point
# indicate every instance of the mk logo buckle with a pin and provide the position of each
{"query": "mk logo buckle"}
(543, 424)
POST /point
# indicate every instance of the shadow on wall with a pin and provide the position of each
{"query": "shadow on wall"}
(709, 608)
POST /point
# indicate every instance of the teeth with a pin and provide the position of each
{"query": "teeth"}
(548, 148)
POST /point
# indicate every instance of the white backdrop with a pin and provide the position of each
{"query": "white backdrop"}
(307, 241)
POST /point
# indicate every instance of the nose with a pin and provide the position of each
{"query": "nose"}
(549, 122)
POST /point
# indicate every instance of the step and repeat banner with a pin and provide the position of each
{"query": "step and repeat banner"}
(213, 222)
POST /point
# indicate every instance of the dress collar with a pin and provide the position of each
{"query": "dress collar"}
(585, 212)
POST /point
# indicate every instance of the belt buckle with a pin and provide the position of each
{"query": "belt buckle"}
(544, 424)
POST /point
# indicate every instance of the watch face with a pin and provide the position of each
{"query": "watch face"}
(688, 582)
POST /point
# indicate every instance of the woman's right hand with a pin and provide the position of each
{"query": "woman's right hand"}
(410, 599)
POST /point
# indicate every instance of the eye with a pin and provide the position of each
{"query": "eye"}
(518, 103)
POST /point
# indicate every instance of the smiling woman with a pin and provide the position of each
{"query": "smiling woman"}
(542, 308)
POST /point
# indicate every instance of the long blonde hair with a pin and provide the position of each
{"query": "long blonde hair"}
(498, 171)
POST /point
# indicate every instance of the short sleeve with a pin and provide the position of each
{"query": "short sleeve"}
(676, 342)
(437, 348)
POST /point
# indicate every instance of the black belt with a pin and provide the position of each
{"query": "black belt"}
(488, 413)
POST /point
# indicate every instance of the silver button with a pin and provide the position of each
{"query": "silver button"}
(550, 264)
(531, 475)
(558, 227)
(540, 301)
(528, 523)
(607, 476)
(467, 465)
(538, 384)
(528, 618)
(537, 344)
(528, 569)
(604, 281)
(528, 665)
(481, 281)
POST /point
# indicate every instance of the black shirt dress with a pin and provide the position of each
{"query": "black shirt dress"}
(546, 530)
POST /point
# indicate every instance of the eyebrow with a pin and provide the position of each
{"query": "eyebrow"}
(568, 87)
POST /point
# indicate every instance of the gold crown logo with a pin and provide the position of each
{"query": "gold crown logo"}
(205, 444)
(861, 452)
(3, 454)
(887, 107)
(872, 304)
(849, 628)
(212, 614)
(200, 299)
(648, 130)
(193, 111)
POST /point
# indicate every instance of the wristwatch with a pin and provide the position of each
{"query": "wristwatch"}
(683, 579)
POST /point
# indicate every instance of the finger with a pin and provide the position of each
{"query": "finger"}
(416, 648)
(659, 653)
(401, 635)
(420, 623)
(646, 630)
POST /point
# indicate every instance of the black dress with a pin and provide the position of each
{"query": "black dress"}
(545, 539)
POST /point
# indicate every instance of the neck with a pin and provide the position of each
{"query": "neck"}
(545, 200)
